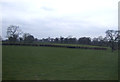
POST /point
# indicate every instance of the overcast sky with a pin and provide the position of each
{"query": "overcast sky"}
(55, 18)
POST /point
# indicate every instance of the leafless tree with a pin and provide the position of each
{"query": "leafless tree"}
(113, 36)
(13, 32)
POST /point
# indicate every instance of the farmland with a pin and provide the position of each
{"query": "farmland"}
(50, 63)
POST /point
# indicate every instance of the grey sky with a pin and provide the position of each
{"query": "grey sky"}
(55, 18)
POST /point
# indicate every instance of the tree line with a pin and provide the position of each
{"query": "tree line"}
(112, 38)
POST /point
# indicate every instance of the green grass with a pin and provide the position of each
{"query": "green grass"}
(48, 63)
(78, 45)
(62, 44)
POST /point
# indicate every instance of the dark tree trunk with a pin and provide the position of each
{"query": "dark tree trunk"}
(113, 46)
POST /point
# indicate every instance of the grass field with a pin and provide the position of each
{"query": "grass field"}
(49, 63)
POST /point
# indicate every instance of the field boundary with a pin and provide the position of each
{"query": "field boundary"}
(53, 45)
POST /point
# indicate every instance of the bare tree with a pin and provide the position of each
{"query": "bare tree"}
(13, 32)
(113, 37)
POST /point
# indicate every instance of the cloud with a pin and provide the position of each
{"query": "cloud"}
(55, 18)
(46, 8)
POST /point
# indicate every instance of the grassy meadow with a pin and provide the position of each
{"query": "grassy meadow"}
(49, 63)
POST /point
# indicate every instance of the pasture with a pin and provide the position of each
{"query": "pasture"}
(49, 63)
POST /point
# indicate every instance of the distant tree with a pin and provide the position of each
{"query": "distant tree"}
(28, 38)
(72, 40)
(84, 40)
(100, 41)
(105, 39)
(35, 39)
(113, 36)
(45, 40)
(20, 39)
(100, 38)
(95, 41)
(13, 33)
(56, 40)
(105, 42)
(61, 39)
(25, 35)
(49, 39)
(66, 40)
